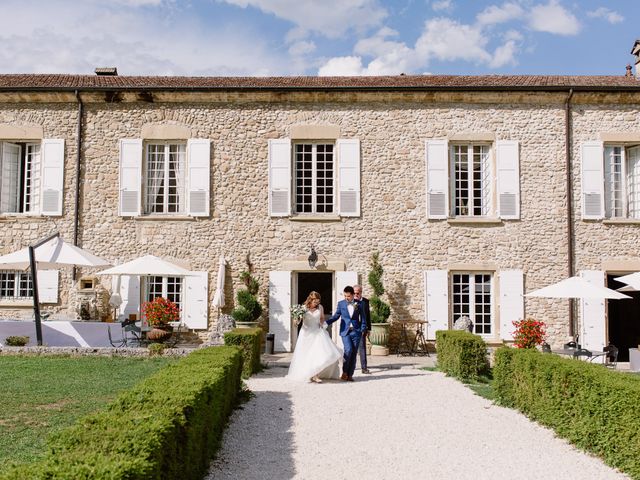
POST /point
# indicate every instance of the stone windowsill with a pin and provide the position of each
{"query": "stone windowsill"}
(621, 221)
(164, 218)
(315, 218)
(15, 303)
(20, 217)
(488, 221)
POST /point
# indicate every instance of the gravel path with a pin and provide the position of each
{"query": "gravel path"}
(395, 424)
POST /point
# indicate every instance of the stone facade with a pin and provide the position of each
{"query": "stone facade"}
(392, 128)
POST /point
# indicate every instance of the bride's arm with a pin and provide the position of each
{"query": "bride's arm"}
(321, 314)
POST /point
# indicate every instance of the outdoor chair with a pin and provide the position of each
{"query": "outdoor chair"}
(571, 345)
(130, 334)
(611, 356)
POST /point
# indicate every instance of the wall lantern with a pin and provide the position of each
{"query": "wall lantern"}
(313, 258)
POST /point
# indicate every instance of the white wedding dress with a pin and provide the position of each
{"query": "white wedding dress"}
(315, 352)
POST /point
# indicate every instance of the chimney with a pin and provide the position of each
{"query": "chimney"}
(106, 71)
(629, 72)
(636, 51)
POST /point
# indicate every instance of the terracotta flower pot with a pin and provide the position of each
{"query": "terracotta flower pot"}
(159, 334)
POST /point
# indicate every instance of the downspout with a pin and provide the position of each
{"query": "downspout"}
(76, 213)
(569, 187)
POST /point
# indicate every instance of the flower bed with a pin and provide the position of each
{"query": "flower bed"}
(166, 427)
(591, 406)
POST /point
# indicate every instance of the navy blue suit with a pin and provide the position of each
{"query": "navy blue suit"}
(351, 330)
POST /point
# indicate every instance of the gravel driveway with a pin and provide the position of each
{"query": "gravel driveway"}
(394, 424)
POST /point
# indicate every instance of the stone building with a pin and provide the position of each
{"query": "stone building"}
(474, 189)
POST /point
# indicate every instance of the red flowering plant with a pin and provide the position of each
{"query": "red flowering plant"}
(529, 333)
(160, 311)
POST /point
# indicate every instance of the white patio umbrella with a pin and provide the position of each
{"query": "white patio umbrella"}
(576, 287)
(48, 253)
(633, 280)
(148, 265)
(218, 297)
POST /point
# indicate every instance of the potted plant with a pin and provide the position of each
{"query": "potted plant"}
(158, 313)
(380, 310)
(248, 312)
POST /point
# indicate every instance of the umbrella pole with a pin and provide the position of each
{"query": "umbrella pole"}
(34, 283)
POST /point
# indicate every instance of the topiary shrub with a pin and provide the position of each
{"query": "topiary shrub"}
(249, 309)
(16, 341)
(380, 310)
(461, 354)
(249, 340)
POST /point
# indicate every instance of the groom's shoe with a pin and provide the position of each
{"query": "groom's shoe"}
(349, 379)
(344, 377)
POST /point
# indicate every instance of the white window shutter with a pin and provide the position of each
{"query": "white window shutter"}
(592, 180)
(47, 286)
(437, 168)
(508, 167)
(9, 175)
(349, 176)
(280, 177)
(195, 314)
(279, 314)
(130, 177)
(199, 161)
(511, 301)
(436, 287)
(52, 183)
(129, 288)
(592, 333)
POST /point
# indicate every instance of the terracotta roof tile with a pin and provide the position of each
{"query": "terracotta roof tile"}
(464, 82)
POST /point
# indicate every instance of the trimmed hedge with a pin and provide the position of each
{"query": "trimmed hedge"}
(249, 340)
(594, 408)
(461, 354)
(168, 426)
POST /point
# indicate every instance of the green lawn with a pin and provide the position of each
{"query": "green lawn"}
(41, 395)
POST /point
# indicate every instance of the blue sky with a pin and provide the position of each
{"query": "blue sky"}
(319, 37)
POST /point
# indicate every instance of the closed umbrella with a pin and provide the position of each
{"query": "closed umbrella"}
(50, 252)
(218, 297)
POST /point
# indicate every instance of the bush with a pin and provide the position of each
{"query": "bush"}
(380, 310)
(593, 407)
(168, 426)
(156, 349)
(16, 341)
(529, 333)
(461, 354)
(249, 309)
(249, 340)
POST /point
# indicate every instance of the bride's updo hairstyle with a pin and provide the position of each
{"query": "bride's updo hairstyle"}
(312, 296)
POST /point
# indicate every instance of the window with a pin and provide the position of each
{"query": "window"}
(166, 287)
(15, 285)
(19, 169)
(165, 178)
(622, 181)
(472, 297)
(314, 178)
(472, 180)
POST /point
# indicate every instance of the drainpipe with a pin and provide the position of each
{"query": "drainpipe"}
(569, 187)
(76, 213)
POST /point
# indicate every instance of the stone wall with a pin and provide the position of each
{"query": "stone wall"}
(392, 132)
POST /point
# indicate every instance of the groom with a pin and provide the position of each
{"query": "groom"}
(353, 324)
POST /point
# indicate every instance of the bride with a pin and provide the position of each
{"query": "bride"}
(315, 355)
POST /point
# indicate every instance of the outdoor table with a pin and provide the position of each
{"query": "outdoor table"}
(419, 344)
(571, 352)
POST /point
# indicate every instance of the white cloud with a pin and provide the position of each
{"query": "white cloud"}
(139, 42)
(504, 55)
(493, 14)
(609, 15)
(553, 18)
(446, 39)
(302, 48)
(342, 66)
(442, 5)
(331, 18)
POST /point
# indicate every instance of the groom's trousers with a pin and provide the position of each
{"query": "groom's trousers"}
(351, 341)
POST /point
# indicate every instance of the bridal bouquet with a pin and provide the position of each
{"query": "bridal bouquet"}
(297, 312)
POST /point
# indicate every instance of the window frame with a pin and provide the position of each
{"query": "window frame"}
(314, 178)
(493, 327)
(19, 277)
(151, 280)
(489, 186)
(626, 189)
(29, 176)
(180, 178)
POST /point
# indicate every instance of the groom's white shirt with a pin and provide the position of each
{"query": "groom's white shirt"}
(350, 308)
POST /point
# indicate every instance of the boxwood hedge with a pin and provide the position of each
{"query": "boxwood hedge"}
(249, 340)
(593, 407)
(168, 426)
(461, 354)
